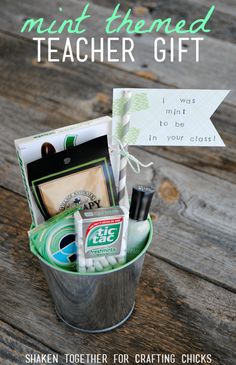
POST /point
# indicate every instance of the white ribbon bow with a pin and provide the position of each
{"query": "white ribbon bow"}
(133, 162)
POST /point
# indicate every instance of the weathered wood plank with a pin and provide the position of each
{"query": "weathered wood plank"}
(215, 70)
(196, 218)
(222, 23)
(26, 112)
(196, 227)
(176, 312)
(15, 345)
(227, 7)
(50, 96)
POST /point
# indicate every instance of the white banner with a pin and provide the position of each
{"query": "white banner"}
(165, 117)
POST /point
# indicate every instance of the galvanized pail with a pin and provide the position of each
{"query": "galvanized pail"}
(95, 302)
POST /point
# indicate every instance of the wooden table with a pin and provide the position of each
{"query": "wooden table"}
(186, 298)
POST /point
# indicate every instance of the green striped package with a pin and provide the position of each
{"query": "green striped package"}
(54, 240)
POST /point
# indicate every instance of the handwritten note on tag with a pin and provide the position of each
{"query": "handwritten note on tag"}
(164, 117)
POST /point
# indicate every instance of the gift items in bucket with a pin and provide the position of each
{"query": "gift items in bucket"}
(72, 179)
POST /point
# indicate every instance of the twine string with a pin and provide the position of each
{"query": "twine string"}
(133, 161)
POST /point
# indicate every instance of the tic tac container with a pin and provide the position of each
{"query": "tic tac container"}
(101, 238)
(95, 302)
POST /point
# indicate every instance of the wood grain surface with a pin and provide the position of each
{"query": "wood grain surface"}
(13, 15)
(15, 344)
(175, 311)
(193, 204)
(186, 300)
(193, 230)
(222, 23)
(51, 95)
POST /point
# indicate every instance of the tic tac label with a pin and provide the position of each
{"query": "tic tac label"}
(103, 237)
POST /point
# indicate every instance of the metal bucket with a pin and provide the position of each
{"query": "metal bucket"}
(95, 302)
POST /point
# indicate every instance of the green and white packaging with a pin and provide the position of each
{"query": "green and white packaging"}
(30, 149)
(55, 240)
(101, 236)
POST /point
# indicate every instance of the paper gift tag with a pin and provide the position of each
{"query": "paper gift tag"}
(165, 117)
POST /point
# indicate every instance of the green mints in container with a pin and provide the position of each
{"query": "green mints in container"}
(101, 238)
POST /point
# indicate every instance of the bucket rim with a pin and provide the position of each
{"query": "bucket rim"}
(77, 273)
